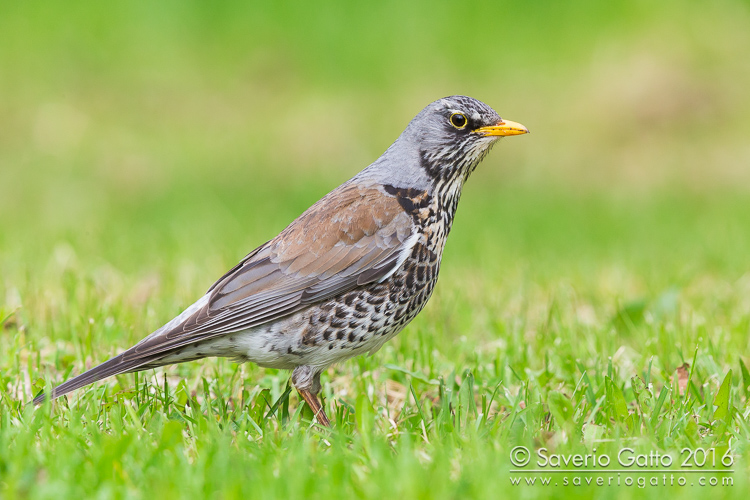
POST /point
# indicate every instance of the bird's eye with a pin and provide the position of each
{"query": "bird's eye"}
(458, 120)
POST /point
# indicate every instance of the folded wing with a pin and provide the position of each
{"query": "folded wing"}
(352, 237)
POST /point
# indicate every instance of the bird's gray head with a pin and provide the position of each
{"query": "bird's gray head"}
(455, 133)
(445, 142)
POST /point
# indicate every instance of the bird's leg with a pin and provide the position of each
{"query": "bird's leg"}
(317, 409)
(307, 383)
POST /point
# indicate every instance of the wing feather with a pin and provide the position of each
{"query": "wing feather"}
(351, 237)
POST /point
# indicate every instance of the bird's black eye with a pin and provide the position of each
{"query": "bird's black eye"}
(458, 120)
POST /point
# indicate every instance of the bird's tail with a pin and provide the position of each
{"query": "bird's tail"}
(114, 366)
(130, 360)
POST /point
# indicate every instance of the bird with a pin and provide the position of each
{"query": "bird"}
(343, 278)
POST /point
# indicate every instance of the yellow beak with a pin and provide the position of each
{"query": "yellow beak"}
(503, 128)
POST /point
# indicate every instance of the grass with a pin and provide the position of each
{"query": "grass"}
(528, 341)
(594, 293)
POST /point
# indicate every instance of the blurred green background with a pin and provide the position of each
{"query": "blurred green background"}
(172, 128)
(167, 139)
(146, 146)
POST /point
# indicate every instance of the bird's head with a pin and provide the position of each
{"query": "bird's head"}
(442, 145)
(454, 134)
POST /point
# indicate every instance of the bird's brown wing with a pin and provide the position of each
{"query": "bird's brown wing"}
(351, 237)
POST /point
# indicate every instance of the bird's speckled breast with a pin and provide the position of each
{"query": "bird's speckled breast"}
(363, 320)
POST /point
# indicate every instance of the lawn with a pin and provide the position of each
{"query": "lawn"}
(594, 294)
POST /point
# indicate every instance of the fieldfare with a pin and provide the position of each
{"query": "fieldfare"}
(347, 275)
